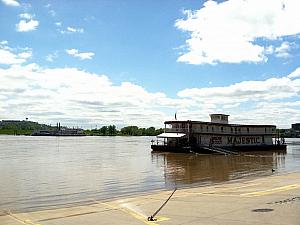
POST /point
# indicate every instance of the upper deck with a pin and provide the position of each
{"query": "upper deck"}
(219, 125)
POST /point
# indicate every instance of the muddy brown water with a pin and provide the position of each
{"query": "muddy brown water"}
(50, 172)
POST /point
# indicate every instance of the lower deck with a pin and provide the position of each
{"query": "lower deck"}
(217, 142)
(219, 149)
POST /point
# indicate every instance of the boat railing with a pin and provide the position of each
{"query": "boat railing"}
(178, 130)
(168, 143)
(216, 131)
(158, 142)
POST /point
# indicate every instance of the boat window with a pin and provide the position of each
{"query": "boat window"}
(222, 129)
(248, 129)
(207, 128)
(265, 130)
(231, 130)
(240, 130)
(212, 128)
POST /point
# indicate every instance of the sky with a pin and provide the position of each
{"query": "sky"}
(93, 63)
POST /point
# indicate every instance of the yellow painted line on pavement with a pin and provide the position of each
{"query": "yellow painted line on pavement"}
(220, 195)
(136, 215)
(271, 191)
(218, 191)
(21, 220)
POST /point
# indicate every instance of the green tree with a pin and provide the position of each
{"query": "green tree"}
(104, 130)
(130, 130)
(112, 130)
(150, 131)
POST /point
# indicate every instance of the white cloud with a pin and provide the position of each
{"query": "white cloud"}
(74, 30)
(270, 89)
(70, 30)
(283, 50)
(269, 50)
(227, 32)
(26, 16)
(76, 97)
(295, 74)
(52, 12)
(9, 57)
(27, 25)
(11, 2)
(58, 24)
(4, 42)
(271, 101)
(281, 114)
(229, 106)
(52, 56)
(80, 55)
(25, 55)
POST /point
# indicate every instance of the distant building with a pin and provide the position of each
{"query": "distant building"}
(60, 131)
(293, 132)
(296, 126)
(10, 121)
(288, 132)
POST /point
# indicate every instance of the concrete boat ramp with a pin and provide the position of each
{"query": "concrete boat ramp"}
(273, 199)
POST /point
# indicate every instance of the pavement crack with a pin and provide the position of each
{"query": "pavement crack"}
(288, 200)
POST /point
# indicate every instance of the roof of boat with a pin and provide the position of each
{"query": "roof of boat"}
(171, 135)
(221, 124)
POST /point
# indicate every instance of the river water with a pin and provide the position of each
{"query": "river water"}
(49, 172)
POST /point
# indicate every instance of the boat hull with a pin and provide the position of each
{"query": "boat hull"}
(199, 149)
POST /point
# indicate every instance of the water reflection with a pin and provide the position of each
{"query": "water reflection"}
(186, 169)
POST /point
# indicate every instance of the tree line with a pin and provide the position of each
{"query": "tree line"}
(18, 127)
(24, 127)
(125, 131)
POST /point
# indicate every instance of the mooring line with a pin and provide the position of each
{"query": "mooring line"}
(152, 217)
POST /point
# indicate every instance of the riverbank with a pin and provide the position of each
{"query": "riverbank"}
(274, 199)
(25, 127)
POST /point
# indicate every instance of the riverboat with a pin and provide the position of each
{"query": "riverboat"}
(60, 131)
(217, 136)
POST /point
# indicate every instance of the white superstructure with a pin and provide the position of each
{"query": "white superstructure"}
(219, 132)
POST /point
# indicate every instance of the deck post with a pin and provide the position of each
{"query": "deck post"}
(188, 131)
